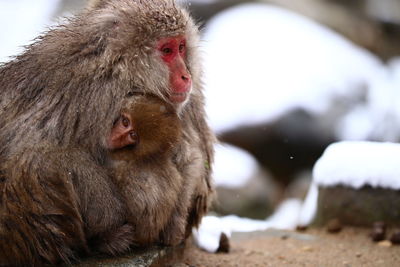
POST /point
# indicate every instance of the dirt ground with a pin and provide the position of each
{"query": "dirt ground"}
(314, 247)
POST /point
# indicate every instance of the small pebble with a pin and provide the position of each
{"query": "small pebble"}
(284, 237)
(334, 226)
(307, 248)
(385, 243)
(395, 238)
(301, 228)
(378, 232)
(224, 245)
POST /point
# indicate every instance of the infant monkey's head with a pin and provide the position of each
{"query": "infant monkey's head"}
(153, 125)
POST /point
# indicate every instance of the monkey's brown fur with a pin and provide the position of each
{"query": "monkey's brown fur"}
(58, 102)
(158, 196)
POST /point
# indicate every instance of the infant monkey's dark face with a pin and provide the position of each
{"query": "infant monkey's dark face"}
(148, 125)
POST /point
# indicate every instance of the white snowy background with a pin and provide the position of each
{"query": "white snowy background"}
(21, 21)
(260, 62)
(274, 61)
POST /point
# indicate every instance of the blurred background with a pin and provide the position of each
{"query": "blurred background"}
(284, 79)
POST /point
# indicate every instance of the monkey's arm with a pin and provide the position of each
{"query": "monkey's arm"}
(39, 217)
(99, 201)
(55, 201)
(204, 191)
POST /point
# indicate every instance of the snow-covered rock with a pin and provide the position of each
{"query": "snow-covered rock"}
(261, 61)
(243, 187)
(264, 64)
(379, 117)
(233, 166)
(358, 164)
(285, 147)
(355, 182)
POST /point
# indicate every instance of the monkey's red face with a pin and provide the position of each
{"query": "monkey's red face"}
(173, 53)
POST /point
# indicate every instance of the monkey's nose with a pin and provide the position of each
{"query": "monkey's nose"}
(186, 78)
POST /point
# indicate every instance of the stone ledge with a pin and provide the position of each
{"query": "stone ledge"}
(151, 257)
(358, 207)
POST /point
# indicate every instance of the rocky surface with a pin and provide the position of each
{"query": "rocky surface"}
(155, 257)
(255, 199)
(361, 207)
(300, 186)
(286, 146)
(313, 248)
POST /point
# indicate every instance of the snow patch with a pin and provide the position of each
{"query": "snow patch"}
(262, 61)
(309, 207)
(21, 21)
(379, 118)
(357, 164)
(233, 167)
(208, 235)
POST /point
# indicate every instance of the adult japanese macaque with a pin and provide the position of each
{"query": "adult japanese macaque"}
(63, 192)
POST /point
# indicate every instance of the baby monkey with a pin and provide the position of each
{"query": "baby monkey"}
(147, 136)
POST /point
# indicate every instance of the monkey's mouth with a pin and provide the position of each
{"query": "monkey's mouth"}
(178, 97)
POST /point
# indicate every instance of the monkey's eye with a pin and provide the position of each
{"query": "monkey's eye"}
(133, 135)
(125, 121)
(166, 50)
(182, 47)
